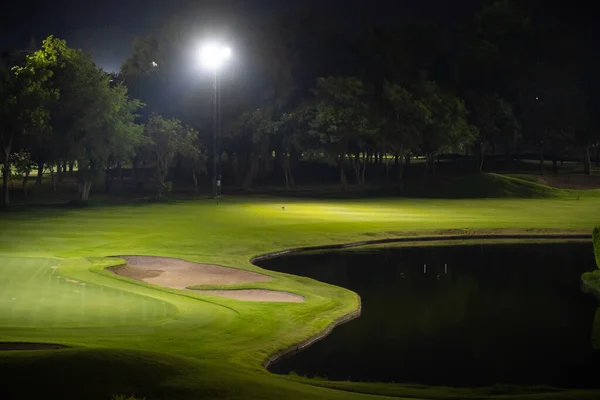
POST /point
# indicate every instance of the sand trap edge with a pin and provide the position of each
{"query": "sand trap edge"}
(256, 295)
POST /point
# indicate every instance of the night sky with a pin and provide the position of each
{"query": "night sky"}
(106, 28)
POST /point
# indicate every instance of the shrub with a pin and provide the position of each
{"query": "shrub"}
(596, 237)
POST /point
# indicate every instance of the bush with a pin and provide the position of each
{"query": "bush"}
(596, 237)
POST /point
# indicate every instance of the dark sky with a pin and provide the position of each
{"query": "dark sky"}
(106, 28)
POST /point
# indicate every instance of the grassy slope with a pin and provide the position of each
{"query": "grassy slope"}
(593, 278)
(211, 347)
(482, 186)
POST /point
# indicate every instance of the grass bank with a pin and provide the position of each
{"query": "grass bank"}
(131, 338)
(592, 279)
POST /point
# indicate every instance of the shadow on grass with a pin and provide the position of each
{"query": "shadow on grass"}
(86, 374)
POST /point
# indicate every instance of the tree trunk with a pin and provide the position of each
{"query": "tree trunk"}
(364, 167)
(291, 175)
(357, 167)
(71, 165)
(59, 171)
(107, 181)
(25, 180)
(53, 175)
(251, 173)
(343, 179)
(162, 170)
(287, 171)
(598, 155)
(388, 162)
(401, 176)
(195, 178)
(84, 189)
(587, 162)
(40, 172)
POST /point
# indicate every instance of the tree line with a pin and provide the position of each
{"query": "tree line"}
(58, 110)
(504, 78)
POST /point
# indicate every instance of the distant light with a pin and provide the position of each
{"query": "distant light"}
(154, 64)
(213, 55)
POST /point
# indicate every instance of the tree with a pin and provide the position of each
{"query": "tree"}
(124, 136)
(447, 126)
(249, 142)
(340, 121)
(165, 139)
(23, 165)
(404, 117)
(496, 124)
(94, 121)
(555, 112)
(24, 96)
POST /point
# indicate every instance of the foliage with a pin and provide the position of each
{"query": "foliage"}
(447, 126)
(24, 97)
(166, 138)
(406, 118)
(495, 120)
(22, 163)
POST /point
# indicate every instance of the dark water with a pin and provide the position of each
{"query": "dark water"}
(502, 314)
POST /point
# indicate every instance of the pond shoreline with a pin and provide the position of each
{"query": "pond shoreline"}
(296, 348)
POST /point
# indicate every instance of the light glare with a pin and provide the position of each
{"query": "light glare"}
(213, 56)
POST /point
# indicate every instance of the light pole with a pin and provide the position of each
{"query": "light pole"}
(213, 56)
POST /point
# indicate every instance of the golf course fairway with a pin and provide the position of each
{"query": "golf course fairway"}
(132, 338)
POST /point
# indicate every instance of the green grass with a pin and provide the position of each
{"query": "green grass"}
(592, 279)
(37, 293)
(486, 185)
(134, 339)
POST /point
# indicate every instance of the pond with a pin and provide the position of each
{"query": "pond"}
(462, 316)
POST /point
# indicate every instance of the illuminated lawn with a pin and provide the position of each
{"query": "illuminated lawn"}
(184, 345)
(36, 293)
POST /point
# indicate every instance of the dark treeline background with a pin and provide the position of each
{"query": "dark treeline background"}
(310, 97)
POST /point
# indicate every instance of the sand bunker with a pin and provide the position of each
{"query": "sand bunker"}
(256, 295)
(9, 346)
(179, 274)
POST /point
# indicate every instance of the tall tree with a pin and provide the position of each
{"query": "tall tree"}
(94, 121)
(555, 111)
(24, 96)
(447, 126)
(496, 124)
(165, 139)
(340, 120)
(404, 117)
